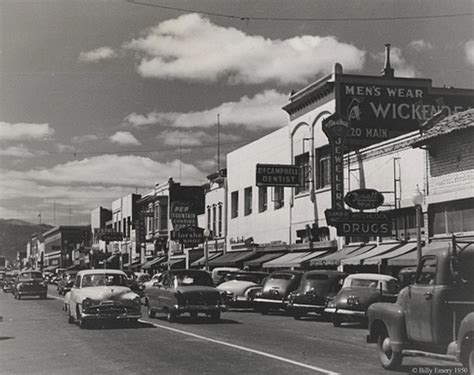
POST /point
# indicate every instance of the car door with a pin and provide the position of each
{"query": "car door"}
(166, 297)
(419, 313)
(153, 290)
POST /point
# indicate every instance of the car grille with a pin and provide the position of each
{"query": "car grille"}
(28, 287)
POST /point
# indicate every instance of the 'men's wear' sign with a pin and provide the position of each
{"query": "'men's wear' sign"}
(278, 175)
(381, 108)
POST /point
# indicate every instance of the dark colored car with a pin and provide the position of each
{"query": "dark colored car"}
(316, 289)
(8, 282)
(358, 292)
(65, 282)
(185, 291)
(30, 283)
(275, 290)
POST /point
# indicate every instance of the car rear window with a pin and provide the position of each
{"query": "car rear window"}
(31, 275)
(282, 276)
(365, 283)
(317, 277)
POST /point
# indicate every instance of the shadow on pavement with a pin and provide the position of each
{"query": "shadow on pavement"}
(119, 325)
(200, 320)
(6, 338)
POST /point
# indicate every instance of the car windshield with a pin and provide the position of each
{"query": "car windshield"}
(282, 276)
(104, 279)
(30, 275)
(366, 283)
(187, 279)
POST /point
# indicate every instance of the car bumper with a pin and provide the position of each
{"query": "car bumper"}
(199, 308)
(27, 293)
(354, 313)
(305, 306)
(106, 316)
(271, 303)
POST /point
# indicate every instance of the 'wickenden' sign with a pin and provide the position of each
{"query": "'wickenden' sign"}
(278, 175)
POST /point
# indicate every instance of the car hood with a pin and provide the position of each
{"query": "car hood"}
(236, 286)
(103, 293)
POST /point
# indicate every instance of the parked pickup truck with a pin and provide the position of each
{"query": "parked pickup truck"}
(434, 317)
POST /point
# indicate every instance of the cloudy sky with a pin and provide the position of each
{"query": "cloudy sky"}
(101, 98)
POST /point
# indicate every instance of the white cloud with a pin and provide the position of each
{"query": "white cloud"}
(98, 54)
(124, 138)
(17, 151)
(420, 45)
(399, 64)
(84, 138)
(262, 111)
(61, 147)
(190, 47)
(24, 131)
(195, 138)
(469, 49)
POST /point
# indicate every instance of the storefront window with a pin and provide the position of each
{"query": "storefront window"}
(302, 161)
(323, 167)
(452, 217)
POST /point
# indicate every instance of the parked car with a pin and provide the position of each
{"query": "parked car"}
(358, 292)
(65, 282)
(99, 295)
(2, 277)
(30, 283)
(316, 289)
(240, 287)
(148, 284)
(275, 290)
(219, 274)
(8, 282)
(434, 317)
(134, 284)
(185, 291)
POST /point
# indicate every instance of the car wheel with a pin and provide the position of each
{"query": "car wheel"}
(70, 318)
(150, 312)
(171, 316)
(44, 296)
(215, 315)
(297, 316)
(193, 315)
(336, 320)
(18, 296)
(390, 360)
(264, 311)
(81, 322)
(467, 355)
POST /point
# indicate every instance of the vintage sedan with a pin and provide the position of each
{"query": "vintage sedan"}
(30, 283)
(99, 295)
(358, 292)
(275, 290)
(241, 286)
(9, 282)
(65, 282)
(316, 289)
(185, 291)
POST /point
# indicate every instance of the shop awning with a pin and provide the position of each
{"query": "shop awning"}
(262, 259)
(378, 250)
(174, 263)
(334, 259)
(112, 258)
(133, 264)
(404, 249)
(231, 258)
(50, 268)
(292, 259)
(153, 262)
(202, 260)
(411, 259)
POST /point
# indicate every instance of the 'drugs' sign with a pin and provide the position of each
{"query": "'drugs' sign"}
(380, 108)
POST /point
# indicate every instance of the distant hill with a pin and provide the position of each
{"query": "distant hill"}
(14, 234)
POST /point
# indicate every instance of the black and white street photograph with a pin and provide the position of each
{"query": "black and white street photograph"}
(229, 187)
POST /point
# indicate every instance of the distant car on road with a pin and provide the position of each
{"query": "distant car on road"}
(65, 282)
(30, 283)
(185, 291)
(316, 289)
(275, 290)
(99, 295)
(241, 286)
(9, 282)
(358, 292)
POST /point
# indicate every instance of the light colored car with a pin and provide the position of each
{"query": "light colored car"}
(101, 295)
(219, 274)
(241, 286)
(154, 279)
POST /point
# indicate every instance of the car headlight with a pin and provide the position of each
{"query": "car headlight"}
(19, 286)
(137, 301)
(86, 303)
(331, 304)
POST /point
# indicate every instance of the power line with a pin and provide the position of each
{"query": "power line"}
(140, 151)
(298, 19)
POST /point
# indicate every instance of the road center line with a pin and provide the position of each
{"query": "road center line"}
(264, 354)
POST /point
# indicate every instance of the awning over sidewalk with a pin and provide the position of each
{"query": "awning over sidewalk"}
(262, 259)
(231, 258)
(292, 259)
(378, 250)
(133, 264)
(175, 263)
(200, 262)
(404, 249)
(411, 258)
(334, 259)
(153, 262)
(112, 258)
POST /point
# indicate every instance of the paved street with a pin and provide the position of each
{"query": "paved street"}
(35, 338)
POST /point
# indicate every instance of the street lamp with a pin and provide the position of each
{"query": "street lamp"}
(207, 233)
(418, 199)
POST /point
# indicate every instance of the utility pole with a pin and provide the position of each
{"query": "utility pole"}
(218, 143)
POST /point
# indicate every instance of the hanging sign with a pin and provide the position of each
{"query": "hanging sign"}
(278, 175)
(364, 199)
